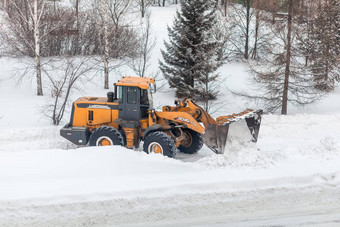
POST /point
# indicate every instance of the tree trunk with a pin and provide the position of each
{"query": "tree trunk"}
(225, 7)
(326, 76)
(257, 26)
(106, 47)
(192, 81)
(37, 48)
(288, 58)
(206, 93)
(77, 35)
(5, 5)
(246, 46)
(216, 4)
(142, 8)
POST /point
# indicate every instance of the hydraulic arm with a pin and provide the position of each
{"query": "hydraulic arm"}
(242, 127)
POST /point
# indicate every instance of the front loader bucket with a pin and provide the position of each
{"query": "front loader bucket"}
(243, 127)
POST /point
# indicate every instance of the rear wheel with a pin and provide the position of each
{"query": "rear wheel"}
(192, 143)
(159, 143)
(106, 136)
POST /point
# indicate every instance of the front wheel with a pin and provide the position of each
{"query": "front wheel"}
(160, 143)
(192, 143)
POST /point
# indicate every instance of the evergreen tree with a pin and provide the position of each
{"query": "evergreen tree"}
(193, 53)
(324, 44)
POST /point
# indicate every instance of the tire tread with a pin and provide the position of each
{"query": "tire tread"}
(108, 130)
(197, 143)
(169, 147)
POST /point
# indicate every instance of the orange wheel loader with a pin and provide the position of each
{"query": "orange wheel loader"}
(126, 117)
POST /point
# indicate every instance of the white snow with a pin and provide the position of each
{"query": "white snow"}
(292, 173)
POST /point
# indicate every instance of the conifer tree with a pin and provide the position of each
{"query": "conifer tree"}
(281, 76)
(192, 55)
(324, 42)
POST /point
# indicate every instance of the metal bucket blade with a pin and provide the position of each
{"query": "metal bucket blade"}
(254, 124)
(239, 132)
(243, 130)
(215, 137)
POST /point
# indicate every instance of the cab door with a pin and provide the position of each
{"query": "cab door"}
(129, 103)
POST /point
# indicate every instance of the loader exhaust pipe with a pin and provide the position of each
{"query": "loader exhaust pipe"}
(242, 128)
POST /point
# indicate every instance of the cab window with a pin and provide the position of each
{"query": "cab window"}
(132, 95)
(144, 97)
(120, 94)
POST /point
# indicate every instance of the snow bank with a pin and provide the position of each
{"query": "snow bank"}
(283, 138)
(33, 139)
(119, 172)
(105, 186)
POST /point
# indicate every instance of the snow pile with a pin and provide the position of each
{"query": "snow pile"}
(283, 139)
(237, 156)
(327, 148)
(93, 171)
(329, 145)
(33, 139)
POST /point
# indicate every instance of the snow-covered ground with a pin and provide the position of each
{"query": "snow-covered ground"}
(291, 177)
(292, 172)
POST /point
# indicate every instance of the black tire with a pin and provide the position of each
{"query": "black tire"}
(194, 145)
(121, 131)
(168, 147)
(107, 133)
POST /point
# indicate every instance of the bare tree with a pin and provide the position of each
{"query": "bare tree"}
(141, 63)
(36, 10)
(246, 27)
(257, 10)
(223, 6)
(117, 39)
(241, 17)
(64, 77)
(26, 30)
(223, 32)
(66, 31)
(102, 8)
(281, 76)
(288, 48)
(161, 2)
(5, 5)
(143, 5)
(106, 44)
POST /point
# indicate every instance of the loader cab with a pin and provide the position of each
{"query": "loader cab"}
(134, 97)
